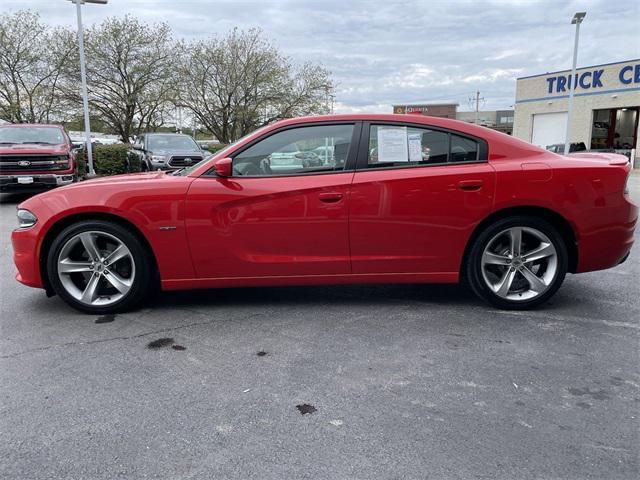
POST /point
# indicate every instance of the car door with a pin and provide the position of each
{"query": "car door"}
(417, 194)
(276, 218)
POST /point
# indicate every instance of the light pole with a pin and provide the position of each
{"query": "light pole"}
(576, 20)
(83, 81)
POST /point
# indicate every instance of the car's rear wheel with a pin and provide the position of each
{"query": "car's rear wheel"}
(99, 267)
(517, 262)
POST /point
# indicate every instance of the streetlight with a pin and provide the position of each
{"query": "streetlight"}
(83, 81)
(576, 20)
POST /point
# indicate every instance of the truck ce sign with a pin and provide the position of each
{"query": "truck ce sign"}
(593, 79)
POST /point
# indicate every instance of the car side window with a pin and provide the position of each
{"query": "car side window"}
(402, 146)
(391, 145)
(297, 151)
(463, 149)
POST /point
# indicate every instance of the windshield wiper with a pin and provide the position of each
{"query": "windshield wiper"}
(7, 143)
(38, 143)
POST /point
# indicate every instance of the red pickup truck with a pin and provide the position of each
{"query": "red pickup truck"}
(35, 156)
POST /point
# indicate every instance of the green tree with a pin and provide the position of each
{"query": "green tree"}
(130, 74)
(238, 83)
(32, 57)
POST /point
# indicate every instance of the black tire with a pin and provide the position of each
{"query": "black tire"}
(144, 266)
(473, 266)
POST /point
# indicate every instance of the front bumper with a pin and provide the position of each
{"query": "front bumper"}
(25, 243)
(35, 180)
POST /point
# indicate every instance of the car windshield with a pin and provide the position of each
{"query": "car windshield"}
(44, 135)
(171, 142)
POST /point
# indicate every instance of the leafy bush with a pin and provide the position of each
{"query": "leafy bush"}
(108, 160)
(213, 148)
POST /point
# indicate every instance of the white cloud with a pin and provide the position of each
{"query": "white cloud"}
(397, 51)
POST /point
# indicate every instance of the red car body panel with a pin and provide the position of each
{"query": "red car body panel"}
(360, 226)
(392, 209)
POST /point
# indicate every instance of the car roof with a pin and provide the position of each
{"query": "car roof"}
(168, 133)
(446, 123)
(28, 125)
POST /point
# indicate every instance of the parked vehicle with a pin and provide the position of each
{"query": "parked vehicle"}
(573, 147)
(508, 217)
(35, 156)
(166, 151)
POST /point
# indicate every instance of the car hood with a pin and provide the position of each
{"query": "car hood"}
(125, 178)
(195, 153)
(31, 149)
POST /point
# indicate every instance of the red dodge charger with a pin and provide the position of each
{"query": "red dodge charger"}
(335, 200)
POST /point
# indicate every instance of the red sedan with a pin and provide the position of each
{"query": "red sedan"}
(336, 200)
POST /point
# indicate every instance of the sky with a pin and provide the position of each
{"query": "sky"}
(385, 52)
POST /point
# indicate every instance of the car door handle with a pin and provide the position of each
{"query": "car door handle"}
(470, 185)
(330, 197)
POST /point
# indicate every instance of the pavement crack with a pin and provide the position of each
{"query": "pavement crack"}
(104, 340)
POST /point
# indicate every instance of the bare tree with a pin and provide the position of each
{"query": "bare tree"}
(31, 59)
(130, 74)
(238, 83)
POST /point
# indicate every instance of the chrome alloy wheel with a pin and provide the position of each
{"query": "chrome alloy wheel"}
(519, 263)
(96, 268)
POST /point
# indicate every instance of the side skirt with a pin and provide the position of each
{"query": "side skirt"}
(230, 282)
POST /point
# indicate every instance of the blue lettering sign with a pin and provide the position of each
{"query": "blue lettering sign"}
(562, 81)
(550, 81)
(636, 76)
(582, 80)
(596, 78)
(622, 77)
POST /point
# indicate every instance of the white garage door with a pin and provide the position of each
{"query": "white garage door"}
(549, 128)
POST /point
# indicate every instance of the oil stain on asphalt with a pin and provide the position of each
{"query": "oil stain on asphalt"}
(165, 342)
(106, 318)
(160, 343)
(261, 353)
(305, 409)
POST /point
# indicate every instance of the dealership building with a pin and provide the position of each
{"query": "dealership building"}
(605, 114)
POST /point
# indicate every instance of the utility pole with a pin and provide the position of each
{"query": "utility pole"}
(576, 20)
(478, 106)
(83, 83)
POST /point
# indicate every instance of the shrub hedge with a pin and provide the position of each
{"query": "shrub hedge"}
(214, 148)
(108, 160)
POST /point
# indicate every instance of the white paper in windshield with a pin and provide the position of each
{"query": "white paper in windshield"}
(392, 144)
(415, 147)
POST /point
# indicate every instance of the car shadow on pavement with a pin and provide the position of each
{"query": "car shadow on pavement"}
(452, 295)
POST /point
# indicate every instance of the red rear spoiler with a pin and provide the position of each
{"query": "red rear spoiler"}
(612, 158)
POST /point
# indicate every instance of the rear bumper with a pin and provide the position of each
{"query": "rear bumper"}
(609, 245)
(36, 180)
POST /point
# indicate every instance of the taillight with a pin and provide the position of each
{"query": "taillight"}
(626, 184)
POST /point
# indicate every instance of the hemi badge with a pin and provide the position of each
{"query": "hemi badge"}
(167, 228)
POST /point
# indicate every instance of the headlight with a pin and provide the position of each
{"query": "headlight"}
(158, 158)
(62, 161)
(26, 219)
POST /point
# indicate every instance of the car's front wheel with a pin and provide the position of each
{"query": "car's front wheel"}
(517, 262)
(99, 267)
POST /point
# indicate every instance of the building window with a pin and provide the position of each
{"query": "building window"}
(615, 128)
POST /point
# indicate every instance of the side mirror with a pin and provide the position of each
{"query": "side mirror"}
(223, 167)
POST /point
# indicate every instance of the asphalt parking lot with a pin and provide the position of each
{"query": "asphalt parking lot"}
(399, 382)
